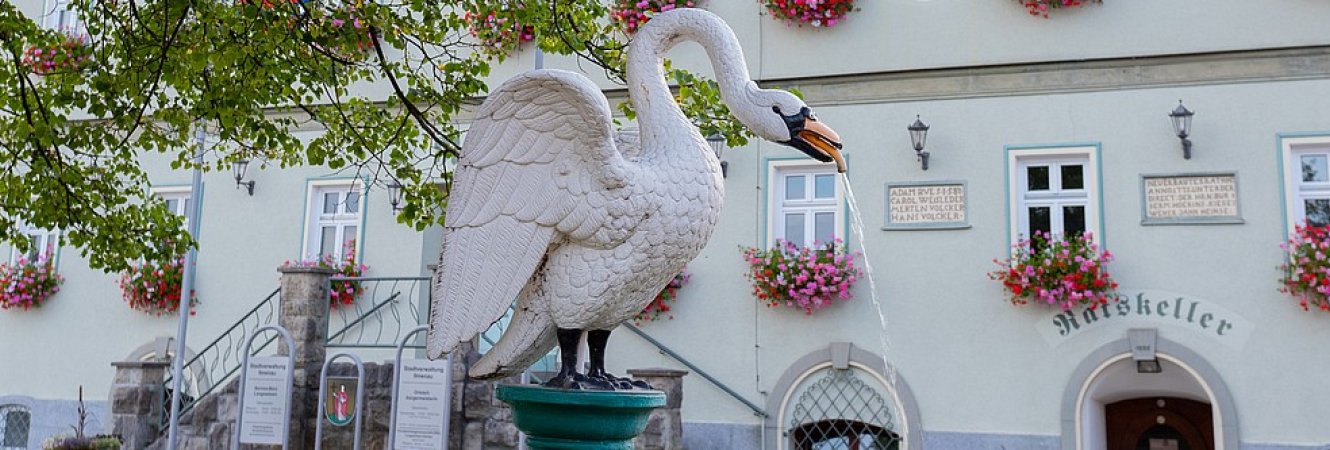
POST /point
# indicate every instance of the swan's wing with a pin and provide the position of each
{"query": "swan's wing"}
(629, 143)
(539, 166)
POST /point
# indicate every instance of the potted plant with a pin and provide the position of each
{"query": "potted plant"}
(28, 284)
(661, 304)
(808, 278)
(1307, 269)
(80, 440)
(155, 288)
(815, 13)
(632, 14)
(1041, 7)
(1057, 271)
(344, 292)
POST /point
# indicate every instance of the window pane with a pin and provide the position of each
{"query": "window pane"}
(330, 203)
(353, 202)
(173, 205)
(1318, 211)
(1073, 220)
(16, 429)
(185, 207)
(1073, 177)
(328, 241)
(1040, 220)
(824, 186)
(794, 228)
(1314, 168)
(794, 187)
(1038, 178)
(824, 227)
(348, 239)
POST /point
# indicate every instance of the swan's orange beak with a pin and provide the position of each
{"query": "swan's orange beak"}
(815, 139)
(823, 139)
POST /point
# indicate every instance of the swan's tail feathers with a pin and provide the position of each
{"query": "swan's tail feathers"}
(529, 337)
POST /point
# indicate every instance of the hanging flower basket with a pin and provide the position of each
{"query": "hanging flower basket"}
(661, 304)
(497, 27)
(341, 292)
(815, 13)
(632, 14)
(1041, 7)
(808, 278)
(28, 284)
(69, 54)
(1307, 271)
(155, 288)
(1058, 271)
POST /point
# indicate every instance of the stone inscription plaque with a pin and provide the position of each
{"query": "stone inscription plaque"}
(1207, 198)
(923, 206)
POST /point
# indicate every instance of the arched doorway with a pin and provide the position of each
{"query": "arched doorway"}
(1159, 423)
(1110, 405)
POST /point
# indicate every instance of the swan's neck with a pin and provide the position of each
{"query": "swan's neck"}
(658, 113)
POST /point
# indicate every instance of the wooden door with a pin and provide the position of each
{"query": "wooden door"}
(1159, 423)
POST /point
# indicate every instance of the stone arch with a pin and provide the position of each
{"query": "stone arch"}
(842, 355)
(161, 349)
(1212, 385)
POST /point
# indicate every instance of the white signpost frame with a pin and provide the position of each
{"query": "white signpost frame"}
(359, 405)
(420, 410)
(265, 401)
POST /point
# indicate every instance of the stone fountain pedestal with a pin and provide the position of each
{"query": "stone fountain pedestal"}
(560, 419)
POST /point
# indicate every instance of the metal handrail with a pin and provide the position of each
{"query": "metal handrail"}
(358, 320)
(215, 351)
(693, 367)
(376, 319)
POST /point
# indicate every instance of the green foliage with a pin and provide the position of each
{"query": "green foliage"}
(251, 72)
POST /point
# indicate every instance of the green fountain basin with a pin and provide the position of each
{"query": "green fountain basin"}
(561, 419)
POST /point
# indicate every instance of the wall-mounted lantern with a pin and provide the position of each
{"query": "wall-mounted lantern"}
(1182, 127)
(1143, 350)
(238, 168)
(718, 145)
(395, 195)
(918, 137)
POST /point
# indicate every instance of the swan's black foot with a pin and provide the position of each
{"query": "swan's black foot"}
(579, 382)
(623, 384)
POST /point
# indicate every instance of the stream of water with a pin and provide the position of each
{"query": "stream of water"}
(857, 225)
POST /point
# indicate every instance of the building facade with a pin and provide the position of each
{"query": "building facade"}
(1057, 124)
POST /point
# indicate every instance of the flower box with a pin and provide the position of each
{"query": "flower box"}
(70, 53)
(661, 304)
(815, 13)
(1041, 7)
(28, 284)
(1057, 271)
(155, 288)
(808, 278)
(1307, 270)
(343, 292)
(632, 14)
(497, 27)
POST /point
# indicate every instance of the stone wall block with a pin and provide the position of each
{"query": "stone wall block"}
(473, 437)
(665, 426)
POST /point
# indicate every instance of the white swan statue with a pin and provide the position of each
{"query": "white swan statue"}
(583, 226)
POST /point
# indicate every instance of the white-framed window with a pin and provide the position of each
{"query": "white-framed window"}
(1306, 180)
(178, 199)
(333, 219)
(1053, 190)
(806, 204)
(42, 244)
(15, 421)
(60, 17)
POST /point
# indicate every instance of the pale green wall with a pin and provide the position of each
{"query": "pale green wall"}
(974, 362)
